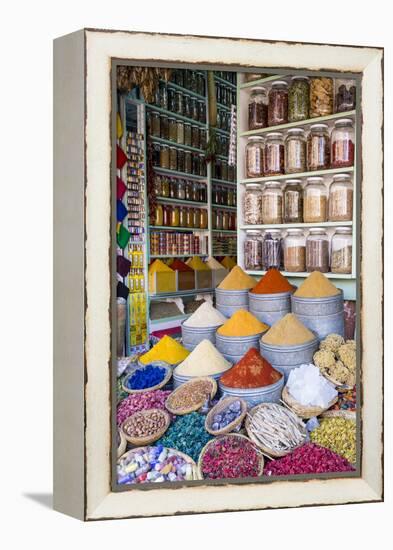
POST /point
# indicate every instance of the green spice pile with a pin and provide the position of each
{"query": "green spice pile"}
(337, 434)
(187, 434)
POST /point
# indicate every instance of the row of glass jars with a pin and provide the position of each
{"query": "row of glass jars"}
(304, 98)
(314, 203)
(297, 153)
(177, 131)
(225, 95)
(222, 170)
(223, 120)
(226, 75)
(180, 102)
(181, 189)
(224, 195)
(163, 243)
(224, 219)
(180, 216)
(297, 253)
(191, 80)
(180, 160)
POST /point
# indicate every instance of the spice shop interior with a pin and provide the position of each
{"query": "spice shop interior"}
(235, 272)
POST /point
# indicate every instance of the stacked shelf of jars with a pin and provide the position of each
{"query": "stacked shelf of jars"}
(177, 124)
(300, 200)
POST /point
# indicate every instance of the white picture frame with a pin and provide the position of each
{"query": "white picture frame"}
(82, 251)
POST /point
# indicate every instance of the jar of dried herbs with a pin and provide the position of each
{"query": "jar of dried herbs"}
(194, 109)
(341, 256)
(321, 96)
(253, 250)
(255, 153)
(180, 160)
(295, 151)
(202, 165)
(315, 201)
(299, 99)
(172, 158)
(295, 251)
(257, 108)
(293, 201)
(272, 249)
(164, 127)
(317, 250)
(186, 105)
(278, 103)
(164, 156)
(179, 103)
(195, 136)
(345, 95)
(318, 147)
(252, 205)
(172, 124)
(188, 162)
(341, 198)
(180, 132)
(272, 199)
(155, 124)
(274, 154)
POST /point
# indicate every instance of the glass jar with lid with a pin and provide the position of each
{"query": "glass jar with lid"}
(179, 103)
(200, 84)
(186, 105)
(272, 199)
(295, 151)
(196, 217)
(225, 220)
(165, 188)
(181, 190)
(180, 160)
(218, 219)
(175, 216)
(321, 96)
(182, 216)
(158, 217)
(155, 124)
(342, 144)
(274, 154)
(230, 197)
(272, 249)
(203, 218)
(202, 192)
(294, 246)
(163, 95)
(180, 132)
(171, 100)
(202, 138)
(172, 158)
(188, 188)
(164, 156)
(315, 203)
(293, 202)
(201, 111)
(253, 250)
(317, 250)
(167, 209)
(341, 253)
(187, 134)
(216, 194)
(195, 136)
(252, 205)
(172, 129)
(299, 99)
(224, 170)
(188, 162)
(158, 185)
(277, 112)
(194, 108)
(164, 127)
(345, 95)
(173, 188)
(202, 165)
(195, 191)
(318, 147)
(257, 108)
(255, 153)
(195, 164)
(190, 217)
(341, 198)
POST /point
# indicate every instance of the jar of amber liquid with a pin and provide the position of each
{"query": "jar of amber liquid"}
(165, 188)
(204, 219)
(175, 216)
(182, 216)
(190, 217)
(167, 210)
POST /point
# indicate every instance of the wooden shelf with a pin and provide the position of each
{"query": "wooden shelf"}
(299, 124)
(296, 225)
(300, 175)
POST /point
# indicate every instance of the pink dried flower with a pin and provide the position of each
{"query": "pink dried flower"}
(140, 401)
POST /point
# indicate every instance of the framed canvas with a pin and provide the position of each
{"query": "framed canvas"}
(102, 114)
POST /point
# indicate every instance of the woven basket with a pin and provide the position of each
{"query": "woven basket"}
(348, 415)
(146, 440)
(163, 382)
(266, 450)
(187, 458)
(303, 411)
(196, 405)
(122, 445)
(220, 406)
(204, 449)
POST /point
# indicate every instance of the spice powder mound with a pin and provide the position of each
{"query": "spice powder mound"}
(272, 282)
(190, 394)
(252, 371)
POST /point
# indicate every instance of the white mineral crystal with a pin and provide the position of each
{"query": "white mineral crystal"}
(308, 387)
